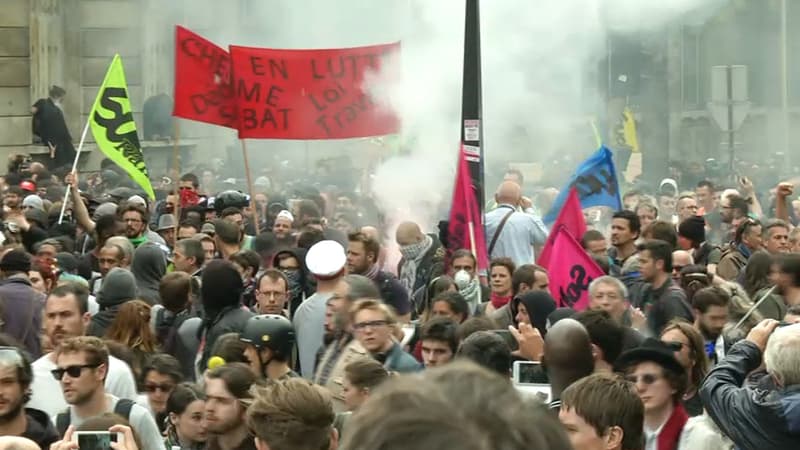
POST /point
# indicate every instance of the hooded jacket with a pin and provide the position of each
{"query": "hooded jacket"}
(39, 428)
(221, 293)
(148, 267)
(118, 287)
(539, 305)
(21, 312)
(305, 286)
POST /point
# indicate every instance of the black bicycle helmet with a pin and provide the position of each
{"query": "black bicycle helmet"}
(269, 331)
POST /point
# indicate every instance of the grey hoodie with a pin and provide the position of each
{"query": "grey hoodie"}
(118, 287)
(148, 267)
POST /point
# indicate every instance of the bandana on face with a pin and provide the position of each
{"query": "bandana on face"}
(412, 256)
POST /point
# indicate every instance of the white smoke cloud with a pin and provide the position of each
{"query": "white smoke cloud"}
(535, 60)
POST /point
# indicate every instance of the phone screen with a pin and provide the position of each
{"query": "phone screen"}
(96, 440)
(532, 373)
(508, 337)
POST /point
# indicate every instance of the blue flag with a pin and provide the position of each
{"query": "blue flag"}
(596, 183)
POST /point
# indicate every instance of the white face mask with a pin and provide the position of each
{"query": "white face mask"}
(462, 279)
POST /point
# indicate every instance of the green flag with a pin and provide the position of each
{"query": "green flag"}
(111, 119)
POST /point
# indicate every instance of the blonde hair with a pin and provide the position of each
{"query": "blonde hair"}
(372, 305)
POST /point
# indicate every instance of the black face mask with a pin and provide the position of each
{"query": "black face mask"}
(295, 281)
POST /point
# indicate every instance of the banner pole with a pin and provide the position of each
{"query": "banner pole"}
(176, 169)
(74, 168)
(250, 186)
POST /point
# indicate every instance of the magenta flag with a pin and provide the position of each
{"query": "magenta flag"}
(571, 270)
(571, 218)
(465, 229)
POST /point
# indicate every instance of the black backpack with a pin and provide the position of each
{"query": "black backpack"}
(122, 408)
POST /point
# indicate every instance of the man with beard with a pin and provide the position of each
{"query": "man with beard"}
(362, 257)
(710, 307)
(109, 257)
(282, 229)
(625, 229)
(343, 348)
(423, 256)
(662, 299)
(81, 368)
(135, 218)
(16, 376)
(227, 397)
(733, 209)
(325, 260)
(66, 316)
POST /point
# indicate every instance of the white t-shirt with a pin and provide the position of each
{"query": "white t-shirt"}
(46, 394)
(140, 419)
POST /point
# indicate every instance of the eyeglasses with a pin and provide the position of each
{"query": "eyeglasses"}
(165, 388)
(271, 294)
(72, 371)
(370, 324)
(647, 379)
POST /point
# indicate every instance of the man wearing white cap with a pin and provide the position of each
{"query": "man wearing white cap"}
(282, 228)
(326, 260)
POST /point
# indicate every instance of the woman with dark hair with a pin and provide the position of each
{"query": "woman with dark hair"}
(689, 348)
(500, 272)
(131, 328)
(159, 377)
(185, 423)
(756, 281)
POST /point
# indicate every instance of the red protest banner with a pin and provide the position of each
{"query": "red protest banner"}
(465, 229)
(309, 94)
(203, 89)
(571, 271)
(571, 218)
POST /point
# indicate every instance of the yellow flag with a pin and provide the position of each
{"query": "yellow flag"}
(629, 130)
(111, 120)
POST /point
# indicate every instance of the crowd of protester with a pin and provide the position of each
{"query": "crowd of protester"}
(205, 320)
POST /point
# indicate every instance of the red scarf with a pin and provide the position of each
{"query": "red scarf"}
(671, 432)
(499, 301)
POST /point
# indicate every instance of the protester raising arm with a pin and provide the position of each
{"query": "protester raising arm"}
(749, 193)
(78, 207)
(782, 192)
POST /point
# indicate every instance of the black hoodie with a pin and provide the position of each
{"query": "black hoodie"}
(40, 429)
(221, 292)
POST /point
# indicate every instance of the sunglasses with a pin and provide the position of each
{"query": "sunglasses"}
(647, 379)
(72, 371)
(165, 388)
(676, 346)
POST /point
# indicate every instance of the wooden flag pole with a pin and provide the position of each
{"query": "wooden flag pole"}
(176, 170)
(250, 186)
